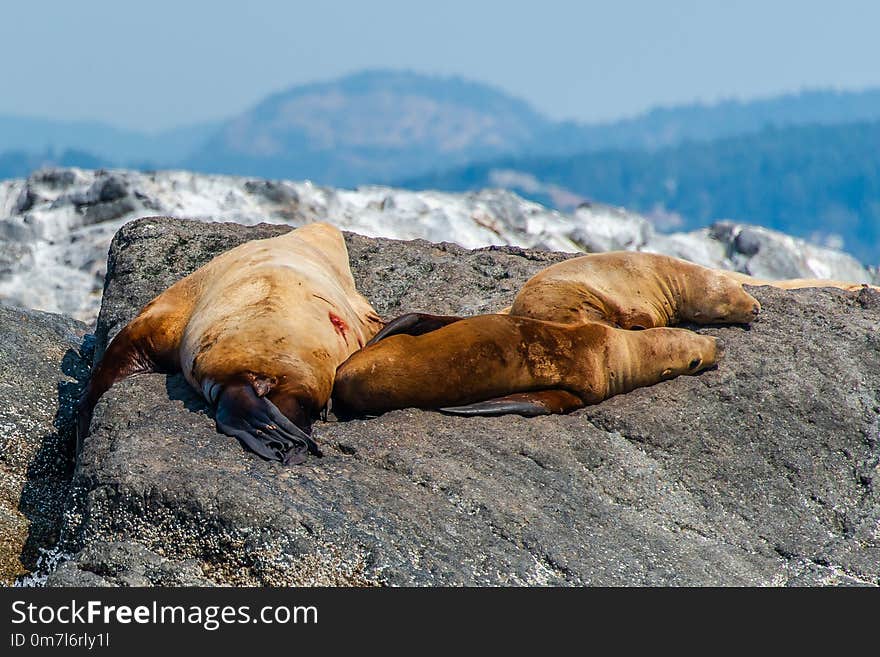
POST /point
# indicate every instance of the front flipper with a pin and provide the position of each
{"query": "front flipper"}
(261, 426)
(528, 404)
(413, 324)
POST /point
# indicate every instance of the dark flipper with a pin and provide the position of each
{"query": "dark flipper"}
(128, 354)
(413, 324)
(261, 426)
(529, 404)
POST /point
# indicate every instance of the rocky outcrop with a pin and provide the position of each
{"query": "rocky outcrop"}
(56, 226)
(762, 471)
(40, 372)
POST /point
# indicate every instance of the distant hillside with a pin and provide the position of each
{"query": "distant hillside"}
(669, 126)
(371, 127)
(381, 126)
(818, 182)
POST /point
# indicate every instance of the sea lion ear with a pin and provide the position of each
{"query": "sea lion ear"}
(413, 324)
(260, 426)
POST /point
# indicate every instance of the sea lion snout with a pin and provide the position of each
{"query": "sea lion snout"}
(710, 357)
(698, 353)
(744, 308)
(350, 390)
(739, 307)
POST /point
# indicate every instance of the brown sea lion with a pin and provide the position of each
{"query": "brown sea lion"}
(259, 331)
(496, 364)
(634, 290)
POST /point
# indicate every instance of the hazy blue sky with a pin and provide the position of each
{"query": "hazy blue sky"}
(159, 63)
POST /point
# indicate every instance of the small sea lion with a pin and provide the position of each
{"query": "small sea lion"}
(800, 283)
(634, 290)
(259, 331)
(625, 289)
(495, 364)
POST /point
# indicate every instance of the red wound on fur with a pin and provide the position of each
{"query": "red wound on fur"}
(338, 324)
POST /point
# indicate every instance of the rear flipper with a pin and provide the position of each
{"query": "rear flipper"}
(133, 351)
(261, 426)
(528, 404)
(413, 324)
(148, 343)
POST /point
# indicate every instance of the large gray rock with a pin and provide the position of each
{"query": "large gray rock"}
(763, 471)
(41, 370)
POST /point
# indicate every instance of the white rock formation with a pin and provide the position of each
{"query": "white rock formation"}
(56, 227)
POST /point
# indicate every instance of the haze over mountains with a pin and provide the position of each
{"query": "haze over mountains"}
(40, 138)
(805, 163)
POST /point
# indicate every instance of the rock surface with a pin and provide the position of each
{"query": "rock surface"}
(40, 371)
(763, 471)
(56, 227)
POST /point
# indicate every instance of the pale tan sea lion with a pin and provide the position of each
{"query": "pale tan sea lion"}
(800, 283)
(259, 331)
(634, 290)
(495, 364)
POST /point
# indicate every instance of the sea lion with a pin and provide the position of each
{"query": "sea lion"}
(800, 283)
(495, 364)
(634, 290)
(259, 331)
(625, 289)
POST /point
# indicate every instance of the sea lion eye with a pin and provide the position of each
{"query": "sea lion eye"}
(695, 363)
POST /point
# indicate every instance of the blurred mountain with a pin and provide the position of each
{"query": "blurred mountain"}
(817, 182)
(669, 126)
(381, 126)
(371, 127)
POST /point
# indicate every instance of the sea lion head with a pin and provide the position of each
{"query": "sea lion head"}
(731, 303)
(689, 353)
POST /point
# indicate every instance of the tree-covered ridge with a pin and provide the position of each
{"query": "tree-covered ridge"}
(811, 181)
